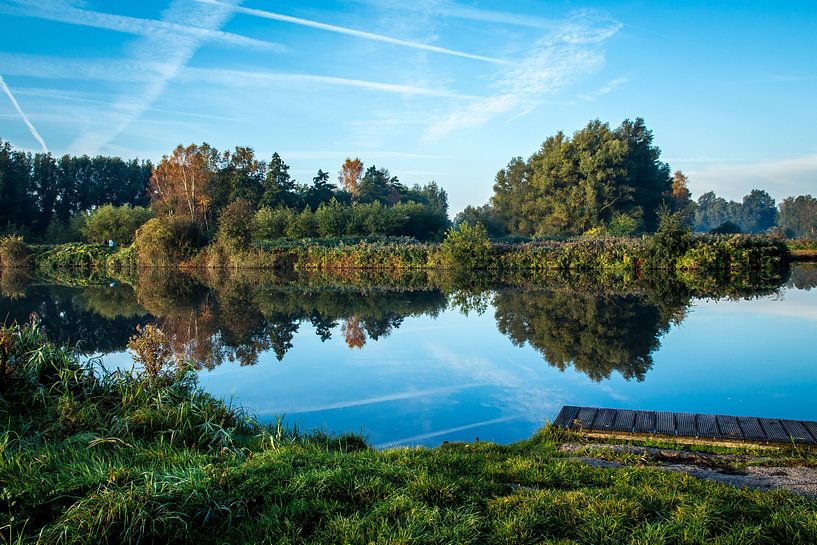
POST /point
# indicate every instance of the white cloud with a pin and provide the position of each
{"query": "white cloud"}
(605, 89)
(571, 51)
(781, 179)
(22, 115)
(359, 33)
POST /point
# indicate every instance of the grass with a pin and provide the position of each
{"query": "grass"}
(90, 457)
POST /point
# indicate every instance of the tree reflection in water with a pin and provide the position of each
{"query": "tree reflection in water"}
(596, 325)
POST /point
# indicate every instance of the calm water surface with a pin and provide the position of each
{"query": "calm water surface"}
(427, 364)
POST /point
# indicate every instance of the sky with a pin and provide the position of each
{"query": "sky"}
(434, 90)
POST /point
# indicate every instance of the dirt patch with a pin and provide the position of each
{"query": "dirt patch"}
(724, 468)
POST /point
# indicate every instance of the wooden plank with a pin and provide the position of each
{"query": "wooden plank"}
(604, 419)
(729, 427)
(751, 428)
(625, 420)
(774, 430)
(566, 416)
(707, 426)
(797, 432)
(644, 422)
(685, 424)
(586, 416)
(665, 423)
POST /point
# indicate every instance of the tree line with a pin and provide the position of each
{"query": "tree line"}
(605, 180)
(59, 200)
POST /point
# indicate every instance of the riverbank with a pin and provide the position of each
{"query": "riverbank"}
(89, 457)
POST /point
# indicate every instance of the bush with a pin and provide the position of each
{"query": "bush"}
(14, 253)
(235, 225)
(272, 223)
(167, 241)
(671, 241)
(467, 247)
(117, 223)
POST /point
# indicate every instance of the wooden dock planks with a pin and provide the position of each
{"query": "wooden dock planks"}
(704, 426)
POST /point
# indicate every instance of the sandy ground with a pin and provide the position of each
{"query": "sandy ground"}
(714, 467)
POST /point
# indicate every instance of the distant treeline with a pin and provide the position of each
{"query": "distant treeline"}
(611, 181)
(53, 200)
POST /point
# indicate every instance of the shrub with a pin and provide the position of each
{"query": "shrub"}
(235, 225)
(671, 241)
(117, 223)
(14, 253)
(272, 223)
(624, 225)
(167, 241)
(467, 247)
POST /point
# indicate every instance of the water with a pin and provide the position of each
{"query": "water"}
(417, 361)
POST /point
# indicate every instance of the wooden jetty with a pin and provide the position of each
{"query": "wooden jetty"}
(709, 428)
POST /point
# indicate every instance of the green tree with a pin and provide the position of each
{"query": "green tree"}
(279, 187)
(758, 212)
(798, 217)
(117, 223)
(572, 185)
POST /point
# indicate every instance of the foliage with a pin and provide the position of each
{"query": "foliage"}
(74, 263)
(14, 252)
(235, 225)
(798, 217)
(40, 194)
(574, 184)
(167, 242)
(756, 214)
(623, 225)
(349, 176)
(117, 223)
(467, 248)
(151, 349)
(182, 184)
(486, 215)
(738, 252)
(671, 241)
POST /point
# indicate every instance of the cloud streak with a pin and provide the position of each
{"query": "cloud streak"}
(558, 60)
(62, 13)
(147, 71)
(167, 53)
(359, 33)
(23, 115)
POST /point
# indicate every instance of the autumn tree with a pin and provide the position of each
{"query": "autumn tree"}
(680, 191)
(181, 184)
(350, 174)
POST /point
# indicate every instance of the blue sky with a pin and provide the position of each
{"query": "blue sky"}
(438, 90)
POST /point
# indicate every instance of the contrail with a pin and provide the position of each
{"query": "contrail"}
(358, 33)
(20, 111)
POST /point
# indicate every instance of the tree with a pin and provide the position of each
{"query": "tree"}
(279, 187)
(349, 175)
(758, 213)
(378, 185)
(181, 184)
(798, 217)
(572, 185)
(680, 191)
(110, 222)
(321, 190)
(240, 176)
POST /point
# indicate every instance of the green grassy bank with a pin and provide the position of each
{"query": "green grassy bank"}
(94, 457)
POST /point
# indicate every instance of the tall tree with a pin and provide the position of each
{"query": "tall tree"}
(680, 190)
(181, 183)
(798, 217)
(573, 184)
(758, 213)
(350, 174)
(279, 187)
